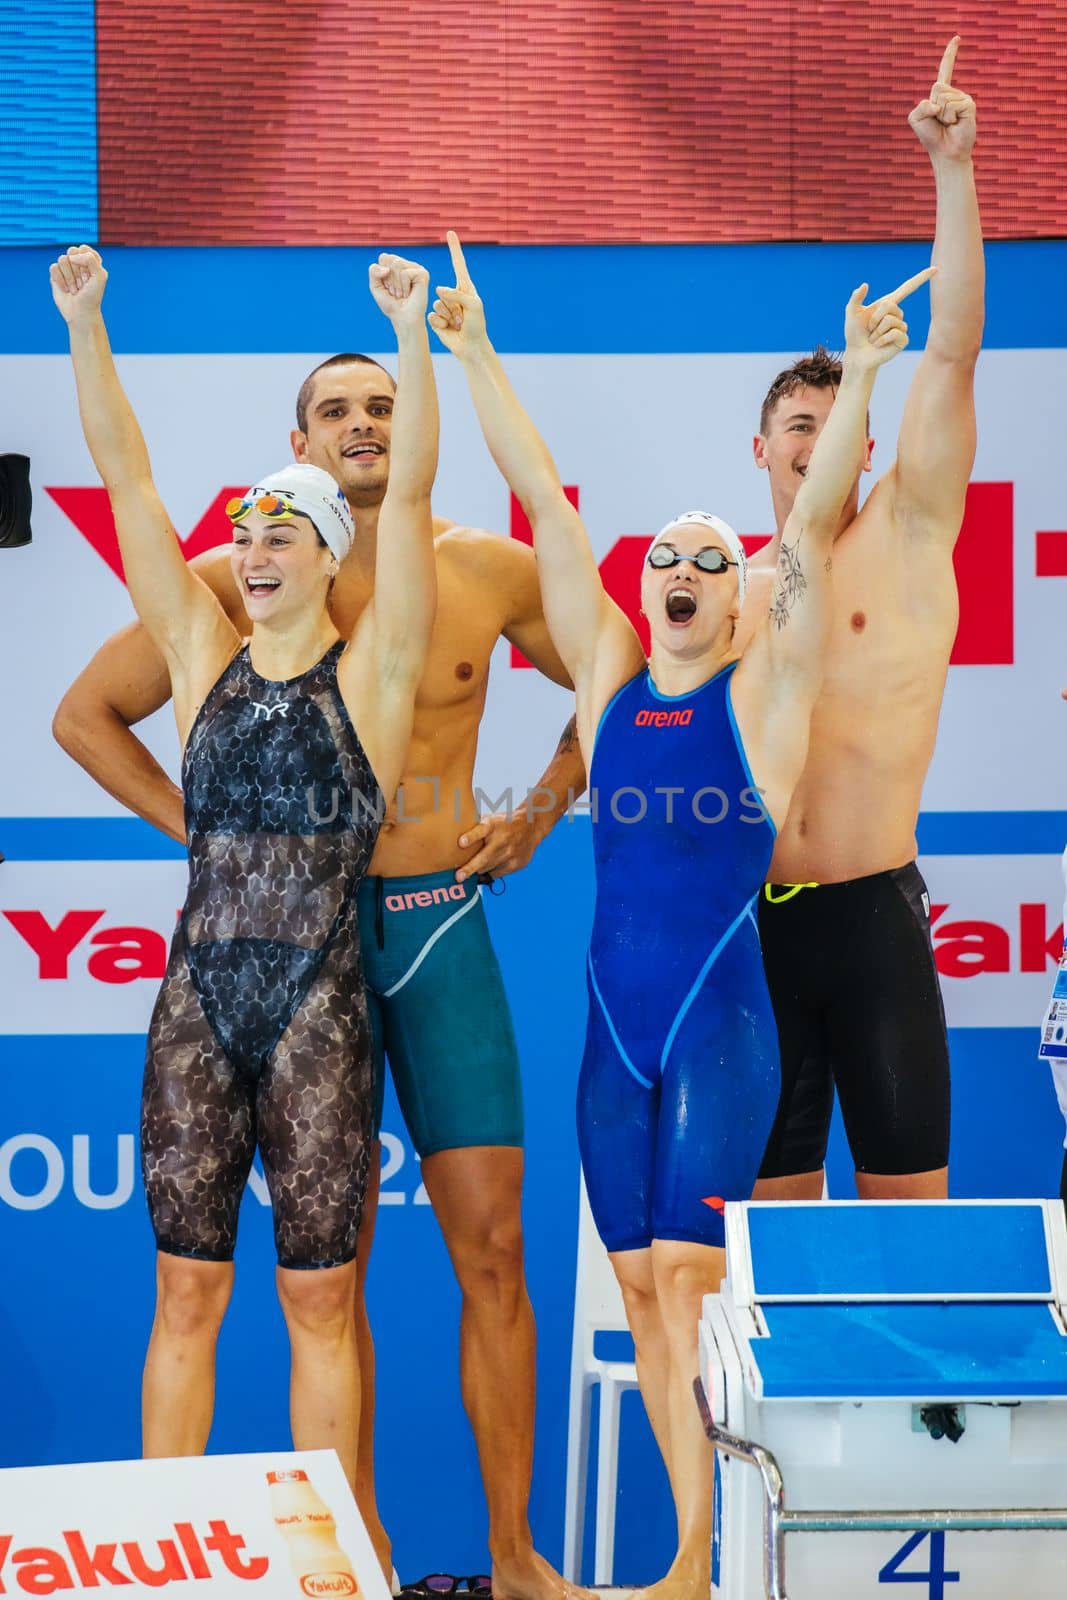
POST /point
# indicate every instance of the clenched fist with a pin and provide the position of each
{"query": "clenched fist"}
(400, 288)
(78, 279)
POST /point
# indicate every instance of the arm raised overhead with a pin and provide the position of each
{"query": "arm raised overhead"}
(596, 643)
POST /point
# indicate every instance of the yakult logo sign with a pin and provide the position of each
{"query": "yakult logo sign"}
(997, 936)
(83, 944)
(115, 955)
(72, 1562)
(994, 923)
(275, 1525)
(965, 949)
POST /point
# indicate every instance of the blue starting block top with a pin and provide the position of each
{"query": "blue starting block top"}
(945, 1300)
(952, 1352)
(889, 1250)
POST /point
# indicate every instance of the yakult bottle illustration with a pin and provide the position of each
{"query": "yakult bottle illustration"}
(307, 1526)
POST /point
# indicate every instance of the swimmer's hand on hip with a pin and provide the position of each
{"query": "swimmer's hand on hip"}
(507, 842)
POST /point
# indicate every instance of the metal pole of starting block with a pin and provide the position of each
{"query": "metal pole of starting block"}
(777, 1522)
(773, 1493)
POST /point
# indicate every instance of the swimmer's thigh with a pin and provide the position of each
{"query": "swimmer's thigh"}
(451, 1044)
(315, 1112)
(720, 1090)
(801, 1129)
(197, 1127)
(617, 1125)
(886, 1030)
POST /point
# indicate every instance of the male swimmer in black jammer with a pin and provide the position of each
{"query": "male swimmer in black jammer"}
(848, 953)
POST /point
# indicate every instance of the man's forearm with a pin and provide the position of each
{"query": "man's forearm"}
(114, 757)
(562, 781)
(957, 293)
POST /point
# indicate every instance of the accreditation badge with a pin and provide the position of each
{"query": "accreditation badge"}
(1053, 1046)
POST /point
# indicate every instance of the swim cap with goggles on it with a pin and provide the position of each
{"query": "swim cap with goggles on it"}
(301, 490)
(726, 534)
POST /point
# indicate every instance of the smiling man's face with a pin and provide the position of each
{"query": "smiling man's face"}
(793, 425)
(349, 421)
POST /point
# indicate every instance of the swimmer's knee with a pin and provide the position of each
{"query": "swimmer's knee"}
(638, 1285)
(684, 1274)
(489, 1261)
(318, 1301)
(191, 1296)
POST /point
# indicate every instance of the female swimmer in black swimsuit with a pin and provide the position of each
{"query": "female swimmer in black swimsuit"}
(260, 1034)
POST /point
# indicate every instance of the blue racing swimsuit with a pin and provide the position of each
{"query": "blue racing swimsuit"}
(679, 1081)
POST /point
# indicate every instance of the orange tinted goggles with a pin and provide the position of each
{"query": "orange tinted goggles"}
(268, 505)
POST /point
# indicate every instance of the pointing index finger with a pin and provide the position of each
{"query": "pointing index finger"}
(459, 264)
(948, 60)
(909, 285)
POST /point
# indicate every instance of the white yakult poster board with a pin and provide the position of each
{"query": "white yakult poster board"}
(277, 1526)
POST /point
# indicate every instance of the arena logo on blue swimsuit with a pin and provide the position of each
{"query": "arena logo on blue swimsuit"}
(664, 719)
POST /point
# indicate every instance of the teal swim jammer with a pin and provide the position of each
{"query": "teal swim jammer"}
(439, 1012)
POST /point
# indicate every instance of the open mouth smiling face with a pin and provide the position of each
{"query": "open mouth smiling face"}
(363, 452)
(681, 603)
(268, 553)
(260, 588)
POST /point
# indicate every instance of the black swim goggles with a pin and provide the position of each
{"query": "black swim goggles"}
(712, 559)
(444, 1584)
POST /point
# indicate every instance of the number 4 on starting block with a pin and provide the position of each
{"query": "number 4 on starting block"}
(935, 1579)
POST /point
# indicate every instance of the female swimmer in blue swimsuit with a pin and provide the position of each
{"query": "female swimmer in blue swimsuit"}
(291, 742)
(692, 757)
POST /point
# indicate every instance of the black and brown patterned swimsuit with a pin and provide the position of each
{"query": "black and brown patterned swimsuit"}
(260, 1033)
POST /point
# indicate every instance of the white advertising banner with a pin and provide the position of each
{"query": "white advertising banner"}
(271, 1525)
(639, 437)
(83, 944)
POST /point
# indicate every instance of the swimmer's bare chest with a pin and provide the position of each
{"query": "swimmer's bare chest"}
(435, 802)
(874, 726)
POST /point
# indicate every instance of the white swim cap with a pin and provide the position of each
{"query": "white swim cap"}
(726, 534)
(312, 493)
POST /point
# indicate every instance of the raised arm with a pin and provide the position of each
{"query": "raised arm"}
(780, 673)
(382, 671)
(179, 612)
(800, 601)
(935, 450)
(405, 579)
(587, 627)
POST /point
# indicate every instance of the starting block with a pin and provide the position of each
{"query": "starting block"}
(896, 1372)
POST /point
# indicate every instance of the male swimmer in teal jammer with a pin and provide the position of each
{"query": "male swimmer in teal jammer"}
(679, 1081)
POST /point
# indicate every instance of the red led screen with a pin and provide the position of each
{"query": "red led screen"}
(564, 121)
